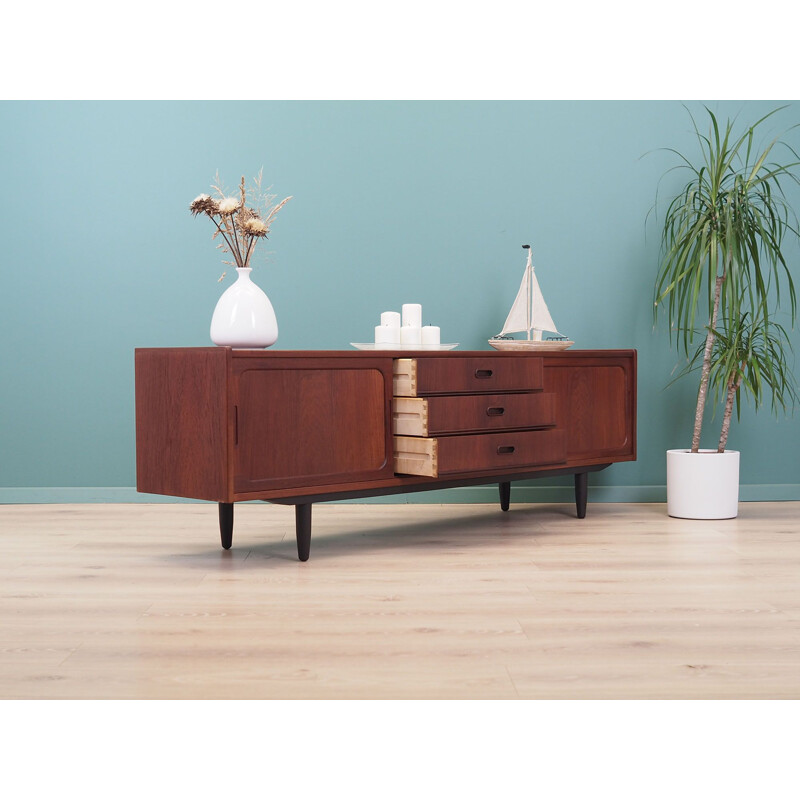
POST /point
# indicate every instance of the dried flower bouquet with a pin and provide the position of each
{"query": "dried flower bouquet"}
(240, 221)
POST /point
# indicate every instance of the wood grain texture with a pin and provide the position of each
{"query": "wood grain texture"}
(491, 412)
(302, 425)
(459, 455)
(437, 416)
(416, 455)
(404, 381)
(597, 406)
(415, 483)
(420, 601)
(183, 422)
(509, 450)
(410, 416)
(484, 374)
(312, 441)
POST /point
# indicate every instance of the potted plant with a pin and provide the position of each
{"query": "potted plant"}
(722, 257)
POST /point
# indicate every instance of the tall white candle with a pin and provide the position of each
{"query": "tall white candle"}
(390, 318)
(411, 334)
(431, 334)
(412, 315)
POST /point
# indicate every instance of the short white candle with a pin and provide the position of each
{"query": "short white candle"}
(431, 334)
(387, 334)
(412, 315)
(410, 334)
(390, 318)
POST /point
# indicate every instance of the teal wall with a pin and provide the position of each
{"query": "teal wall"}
(394, 202)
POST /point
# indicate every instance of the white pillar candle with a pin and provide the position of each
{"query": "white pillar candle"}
(387, 334)
(412, 315)
(391, 318)
(410, 334)
(431, 335)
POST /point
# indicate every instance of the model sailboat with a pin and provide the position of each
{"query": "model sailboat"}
(530, 315)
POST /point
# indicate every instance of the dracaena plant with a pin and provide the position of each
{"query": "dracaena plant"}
(747, 355)
(723, 265)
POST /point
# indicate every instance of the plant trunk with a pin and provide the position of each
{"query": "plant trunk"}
(733, 387)
(701, 394)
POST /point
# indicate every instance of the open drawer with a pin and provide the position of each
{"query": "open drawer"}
(436, 416)
(448, 455)
(432, 375)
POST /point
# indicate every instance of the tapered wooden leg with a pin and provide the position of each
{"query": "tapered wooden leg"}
(581, 492)
(302, 518)
(505, 495)
(226, 524)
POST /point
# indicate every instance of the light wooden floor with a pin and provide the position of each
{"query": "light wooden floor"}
(399, 601)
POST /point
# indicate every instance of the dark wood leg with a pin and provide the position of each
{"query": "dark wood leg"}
(226, 524)
(581, 492)
(302, 518)
(505, 495)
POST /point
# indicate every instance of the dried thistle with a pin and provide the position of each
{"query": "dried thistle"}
(246, 213)
(203, 204)
(253, 227)
(240, 224)
(228, 206)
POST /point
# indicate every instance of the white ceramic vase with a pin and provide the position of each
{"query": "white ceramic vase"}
(244, 317)
(703, 485)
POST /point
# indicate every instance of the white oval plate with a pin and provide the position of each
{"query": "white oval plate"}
(373, 346)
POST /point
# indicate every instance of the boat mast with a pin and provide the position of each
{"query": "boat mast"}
(530, 289)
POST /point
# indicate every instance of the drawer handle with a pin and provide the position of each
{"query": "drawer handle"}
(503, 450)
(496, 411)
(483, 373)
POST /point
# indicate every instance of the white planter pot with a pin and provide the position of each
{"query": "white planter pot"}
(703, 485)
(244, 317)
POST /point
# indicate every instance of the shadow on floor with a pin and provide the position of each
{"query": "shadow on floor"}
(447, 533)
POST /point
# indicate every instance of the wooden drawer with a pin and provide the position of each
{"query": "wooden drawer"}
(433, 416)
(417, 377)
(447, 455)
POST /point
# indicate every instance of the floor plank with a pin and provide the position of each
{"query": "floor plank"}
(399, 601)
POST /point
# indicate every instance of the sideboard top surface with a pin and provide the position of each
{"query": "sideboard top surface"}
(273, 353)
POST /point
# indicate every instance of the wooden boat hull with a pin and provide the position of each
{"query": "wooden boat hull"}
(549, 345)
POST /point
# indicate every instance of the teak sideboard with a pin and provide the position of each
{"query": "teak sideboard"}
(299, 427)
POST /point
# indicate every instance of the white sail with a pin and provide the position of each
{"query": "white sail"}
(518, 319)
(541, 319)
(529, 311)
